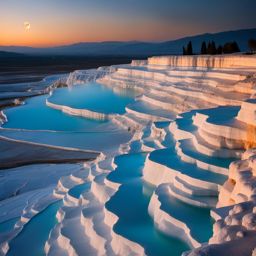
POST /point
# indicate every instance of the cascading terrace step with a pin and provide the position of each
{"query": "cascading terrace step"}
(195, 223)
(65, 183)
(195, 200)
(74, 232)
(193, 190)
(151, 144)
(52, 247)
(188, 153)
(188, 172)
(204, 147)
(151, 110)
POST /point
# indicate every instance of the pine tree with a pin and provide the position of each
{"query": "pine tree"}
(252, 45)
(211, 48)
(203, 48)
(214, 50)
(236, 47)
(231, 47)
(220, 49)
(184, 50)
(190, 48)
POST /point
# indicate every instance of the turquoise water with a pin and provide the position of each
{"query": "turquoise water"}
(168, 158)
(197, 219)
(134, 221)
(35, 115)
(72, 131)
(189, 149)
(31, 240)
(39, 124)
(162, 124)
(93, 96)
(221, 114)
(79, 189)
(7, 225)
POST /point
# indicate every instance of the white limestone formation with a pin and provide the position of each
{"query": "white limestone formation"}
(80, 112)
(195, 161)
(218, 61)
(85, 76)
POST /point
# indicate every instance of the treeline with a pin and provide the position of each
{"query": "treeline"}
(252, 45)
(230, 47)
(212, 49)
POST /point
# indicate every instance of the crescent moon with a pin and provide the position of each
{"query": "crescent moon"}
(26, 25)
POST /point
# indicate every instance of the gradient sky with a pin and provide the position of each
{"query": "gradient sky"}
(58, 22)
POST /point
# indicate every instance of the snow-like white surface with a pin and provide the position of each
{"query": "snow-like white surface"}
(202, 144)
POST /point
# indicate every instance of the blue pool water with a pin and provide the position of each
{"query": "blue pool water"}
(35, 115)
(134, 221)
(31, 240)
(93, 96)
(168, 158)
(77, 190)
(7, 225)
(197, 219)
(39, 123)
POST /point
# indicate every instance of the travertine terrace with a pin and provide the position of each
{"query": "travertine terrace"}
(194, 121)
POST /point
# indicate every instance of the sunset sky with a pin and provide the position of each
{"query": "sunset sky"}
(58, 22)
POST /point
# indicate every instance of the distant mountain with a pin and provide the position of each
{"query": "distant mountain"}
(136, 48)
(4, 54)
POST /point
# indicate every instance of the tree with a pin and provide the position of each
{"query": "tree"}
(231, 47)
(252, 45)
(214, 50)
(220, 49)
(190, 48)
(184, 50)
(203, 48)
(236, 47)
(211, 48)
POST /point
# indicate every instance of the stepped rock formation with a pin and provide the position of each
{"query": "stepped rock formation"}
(193, 122)
(226, 80)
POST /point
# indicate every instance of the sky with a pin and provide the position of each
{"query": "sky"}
(60, 22)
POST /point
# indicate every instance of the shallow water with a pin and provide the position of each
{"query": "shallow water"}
(135, 222)
(168, 158)
(7, 225)
(45, 125)
(77, 190)
(197, 219)
(31, 240)
(35, 115)
(36, 122)
(93, 96)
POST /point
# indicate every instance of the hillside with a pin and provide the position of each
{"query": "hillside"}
(136, 48)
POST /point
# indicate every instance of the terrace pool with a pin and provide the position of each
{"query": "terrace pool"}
(35, 115)
(31, 240)
(93, 96)
(134, 221)
(36, 122)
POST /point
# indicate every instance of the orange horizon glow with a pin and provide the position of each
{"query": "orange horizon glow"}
(63, 22)
(45, 34)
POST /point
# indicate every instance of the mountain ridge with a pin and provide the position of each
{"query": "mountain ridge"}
(138, 48)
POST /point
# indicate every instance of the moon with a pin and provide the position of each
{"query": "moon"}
(26, 25)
